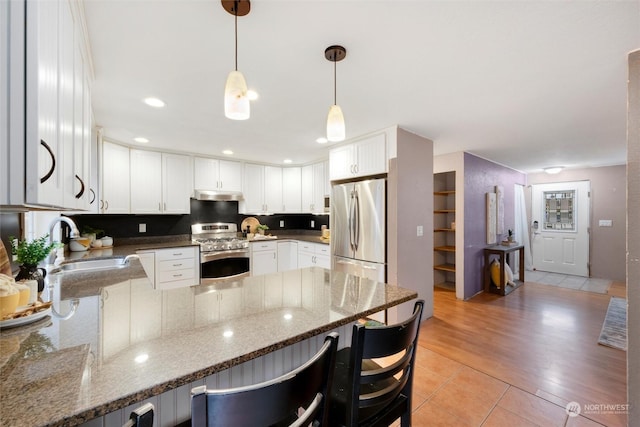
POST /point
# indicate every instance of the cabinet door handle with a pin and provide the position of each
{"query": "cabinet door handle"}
(81, 192)
(101, 204)
(93, 199)
(53, 162)
(177, 265)
(164, 206)
(178, 254)
(106, 205)
(177, 275)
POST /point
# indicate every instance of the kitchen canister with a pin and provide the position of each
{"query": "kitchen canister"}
(33, 289)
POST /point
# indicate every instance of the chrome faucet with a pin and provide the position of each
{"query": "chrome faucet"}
(73, 234)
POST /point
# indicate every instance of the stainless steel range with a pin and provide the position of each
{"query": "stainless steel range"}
(223, 255)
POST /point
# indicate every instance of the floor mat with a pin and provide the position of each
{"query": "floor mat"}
(614, 329)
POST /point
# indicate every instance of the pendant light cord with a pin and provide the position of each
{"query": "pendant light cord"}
(235, 10)
(335, 81)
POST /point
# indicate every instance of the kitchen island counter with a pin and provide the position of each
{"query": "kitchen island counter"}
(132, 342)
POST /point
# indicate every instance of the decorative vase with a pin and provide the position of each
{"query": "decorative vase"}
(32, 272)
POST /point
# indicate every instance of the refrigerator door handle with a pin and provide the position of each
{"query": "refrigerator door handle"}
(352, 222)
(356, 231)
(345, 262)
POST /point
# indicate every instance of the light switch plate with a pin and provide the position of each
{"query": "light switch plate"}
(605, 223)
(420, 231)
(142, 228)
(281, 223)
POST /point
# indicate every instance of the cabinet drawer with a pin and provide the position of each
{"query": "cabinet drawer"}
(175, 275)
(176, 264)
(322, 249)
(264, 246)
(306, 247)
(176, 253)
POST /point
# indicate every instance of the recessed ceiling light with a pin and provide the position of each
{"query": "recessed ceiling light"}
(227, 152)
(141, 140)
(252, 95)
(288, 161)
(154, 102)
(322, 140)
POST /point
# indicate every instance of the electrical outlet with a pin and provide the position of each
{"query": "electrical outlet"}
(281, 223)
(420, 231)
(313, 224)
(142, 228)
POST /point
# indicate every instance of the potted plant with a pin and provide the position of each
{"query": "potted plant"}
(29, 255)
(261, 228)
(510, 236)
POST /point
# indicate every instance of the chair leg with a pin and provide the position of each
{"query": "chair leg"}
(405, 419)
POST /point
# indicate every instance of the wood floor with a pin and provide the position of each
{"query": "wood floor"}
(532, 351)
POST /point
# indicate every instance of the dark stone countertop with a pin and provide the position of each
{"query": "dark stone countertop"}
(59, 371)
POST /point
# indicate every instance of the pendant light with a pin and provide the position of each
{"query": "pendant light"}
(236, 101)
(335, 120)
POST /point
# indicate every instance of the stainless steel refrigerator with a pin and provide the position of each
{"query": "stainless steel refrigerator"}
(358, 228)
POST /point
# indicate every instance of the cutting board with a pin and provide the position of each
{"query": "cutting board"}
(5, 264)
(252, 222)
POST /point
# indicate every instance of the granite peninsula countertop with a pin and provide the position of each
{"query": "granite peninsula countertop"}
(60, 371)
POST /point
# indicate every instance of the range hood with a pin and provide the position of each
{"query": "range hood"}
(218, 196)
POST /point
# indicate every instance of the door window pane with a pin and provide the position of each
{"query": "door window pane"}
(558, 210)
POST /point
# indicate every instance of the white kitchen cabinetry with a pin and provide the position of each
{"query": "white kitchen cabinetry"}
(146, 311)
(159, 183)
(313, 188)
(262, 189)
(313, 255)
(146, 182)
(264, 258)
(176, 184)
(214, 174)
(115, 182)
(39, 77)
(116, 319)
(173, 267)
(365, 157)
(287, 255)
(291, 190)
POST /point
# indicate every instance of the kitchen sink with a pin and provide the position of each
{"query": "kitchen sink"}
(91, 265)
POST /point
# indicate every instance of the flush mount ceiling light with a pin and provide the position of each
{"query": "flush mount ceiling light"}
(141, 139)
(553, 170)
(236, 101)
(154, 102)
(335, 119)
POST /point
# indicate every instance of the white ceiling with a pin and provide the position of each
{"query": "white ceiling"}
(527, 84)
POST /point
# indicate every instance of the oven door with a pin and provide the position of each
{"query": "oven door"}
(224, 265)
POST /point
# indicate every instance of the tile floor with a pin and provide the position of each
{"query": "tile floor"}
(448, 393)
(580, 283)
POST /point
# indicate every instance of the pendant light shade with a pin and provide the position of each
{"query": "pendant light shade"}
(335, 124)
(236, 100)
(336, 130)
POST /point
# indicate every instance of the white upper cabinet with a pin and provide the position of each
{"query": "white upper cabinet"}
(365, 157)
(176, 184)
(291, 190)
(313, 188)
(262, 189)
(273, 189)
(214, 174)
(160, 183)
(146, 182)
(44, 81)
(115, 183)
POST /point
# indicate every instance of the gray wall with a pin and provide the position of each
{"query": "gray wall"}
(608, 201)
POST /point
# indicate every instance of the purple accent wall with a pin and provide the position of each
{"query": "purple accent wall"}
(480, 177)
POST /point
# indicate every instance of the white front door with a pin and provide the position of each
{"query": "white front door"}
(560, 214)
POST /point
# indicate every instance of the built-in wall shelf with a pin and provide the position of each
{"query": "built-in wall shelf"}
(444, 237)
(451, 268)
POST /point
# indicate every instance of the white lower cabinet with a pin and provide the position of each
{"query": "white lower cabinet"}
(313, 255)
(173, 267)
(211, 307)
(264, 258)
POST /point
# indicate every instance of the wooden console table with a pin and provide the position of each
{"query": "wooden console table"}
(503, 257)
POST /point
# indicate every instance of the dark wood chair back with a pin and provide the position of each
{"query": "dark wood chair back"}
(276, 402)
(376, 392)
(141, 417)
